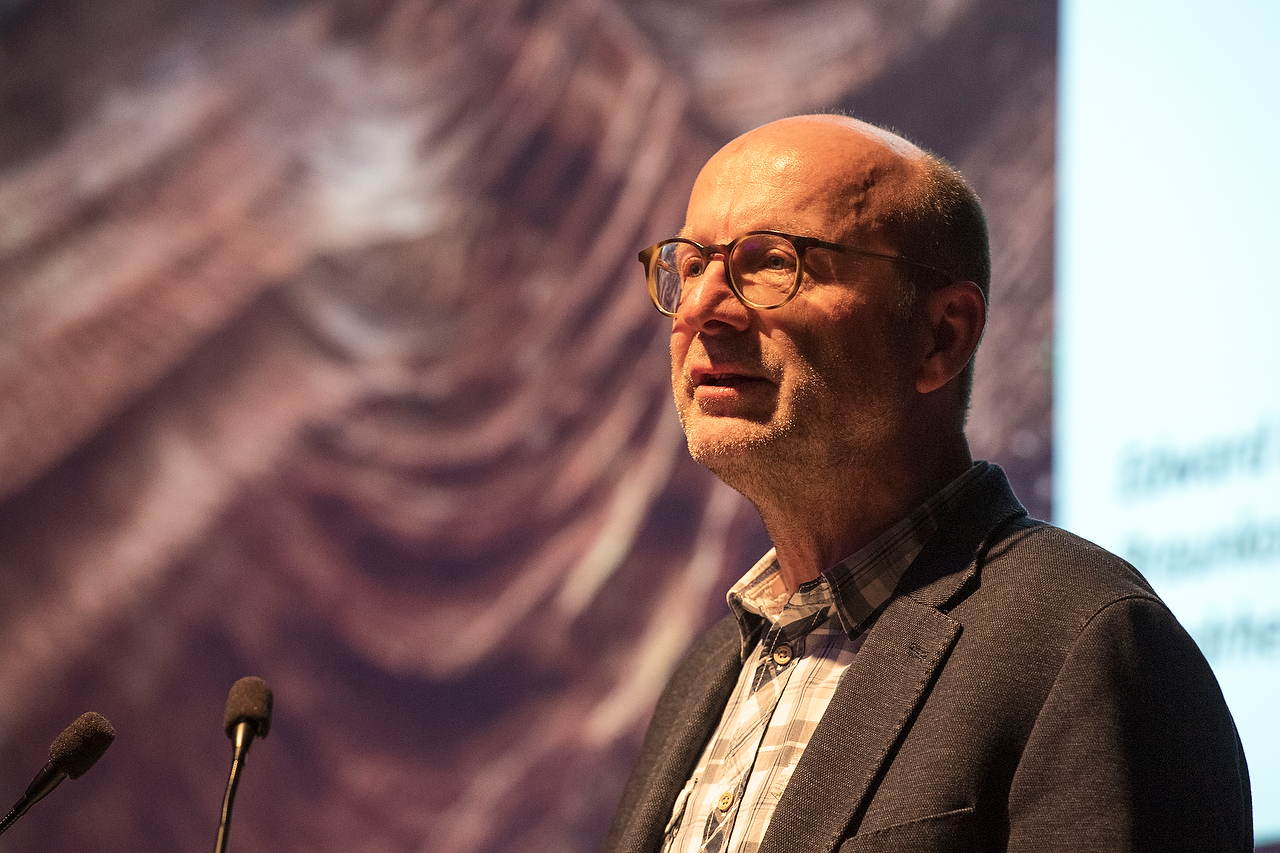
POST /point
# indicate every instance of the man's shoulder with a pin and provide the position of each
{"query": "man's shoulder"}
(1041, 579)
(988, 552)
(1008, 551)
(711, 657)
(722, 637)
(1028, 551)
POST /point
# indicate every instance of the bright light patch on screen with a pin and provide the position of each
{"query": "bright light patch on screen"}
(1167, 398)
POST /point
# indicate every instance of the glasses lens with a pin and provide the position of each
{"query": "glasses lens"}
(765, 268)
(674, 262)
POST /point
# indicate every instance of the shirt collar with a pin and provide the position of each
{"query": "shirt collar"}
(855, 587)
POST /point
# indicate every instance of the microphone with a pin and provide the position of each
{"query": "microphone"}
(248, 715)
(72, 753)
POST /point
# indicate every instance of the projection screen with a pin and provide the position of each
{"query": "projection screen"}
(1167, 401)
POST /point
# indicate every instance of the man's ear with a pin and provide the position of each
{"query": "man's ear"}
(955, 315)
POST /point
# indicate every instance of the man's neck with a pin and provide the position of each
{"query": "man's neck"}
(819, 520)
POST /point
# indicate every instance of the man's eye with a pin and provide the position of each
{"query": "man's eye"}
(693, 269)
(773, 262)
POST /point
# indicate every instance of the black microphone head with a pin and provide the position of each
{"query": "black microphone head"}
(249, 701)
(81, 744)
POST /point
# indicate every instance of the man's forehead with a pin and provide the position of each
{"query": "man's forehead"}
(844, 170)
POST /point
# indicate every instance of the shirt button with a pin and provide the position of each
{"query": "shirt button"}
(782, 655)
(725, 801)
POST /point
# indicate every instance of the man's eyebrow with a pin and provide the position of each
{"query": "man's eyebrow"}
(684, 232)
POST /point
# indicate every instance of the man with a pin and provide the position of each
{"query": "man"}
(916, 665)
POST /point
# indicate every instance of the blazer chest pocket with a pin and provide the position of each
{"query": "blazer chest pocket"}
(953, 832)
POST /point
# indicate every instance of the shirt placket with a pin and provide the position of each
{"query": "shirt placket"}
(780, 648)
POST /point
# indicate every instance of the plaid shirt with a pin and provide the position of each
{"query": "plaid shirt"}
(797, 657)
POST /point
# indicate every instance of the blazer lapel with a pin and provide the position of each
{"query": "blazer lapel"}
(889, 678)
(878, 695)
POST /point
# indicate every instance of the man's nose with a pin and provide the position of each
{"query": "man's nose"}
(710, 302)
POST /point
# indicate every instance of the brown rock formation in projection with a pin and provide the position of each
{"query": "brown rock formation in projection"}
(325, 357)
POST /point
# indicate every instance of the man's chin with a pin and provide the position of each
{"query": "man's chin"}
(730, 443)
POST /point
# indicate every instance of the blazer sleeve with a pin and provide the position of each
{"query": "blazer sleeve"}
(1134, 748)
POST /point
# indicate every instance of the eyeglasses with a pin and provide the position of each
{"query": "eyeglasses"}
(764, 267)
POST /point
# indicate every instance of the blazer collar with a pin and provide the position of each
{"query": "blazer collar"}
(885, 685)
(950, 561)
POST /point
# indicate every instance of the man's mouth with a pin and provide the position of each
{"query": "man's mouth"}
(725, 379)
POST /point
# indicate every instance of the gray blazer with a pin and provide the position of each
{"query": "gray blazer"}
(1024, 690)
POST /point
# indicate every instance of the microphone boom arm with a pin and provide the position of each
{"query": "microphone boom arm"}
(242, 736)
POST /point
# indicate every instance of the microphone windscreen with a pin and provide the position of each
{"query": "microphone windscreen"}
(81, 744)
(248, 701)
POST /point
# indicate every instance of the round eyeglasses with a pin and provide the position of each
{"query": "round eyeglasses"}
(764, 268)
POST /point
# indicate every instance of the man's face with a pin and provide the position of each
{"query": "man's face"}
(826, 379)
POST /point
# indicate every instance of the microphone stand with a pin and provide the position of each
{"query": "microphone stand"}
(48, 779)
(242, 738)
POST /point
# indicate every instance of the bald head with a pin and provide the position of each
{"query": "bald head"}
(881, 190)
